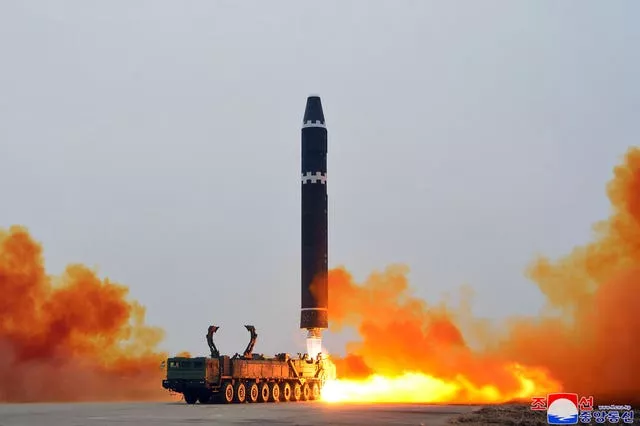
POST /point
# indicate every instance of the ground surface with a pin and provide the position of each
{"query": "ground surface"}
(170, 414)
(508, 414)
(303, 414)
(511, 414)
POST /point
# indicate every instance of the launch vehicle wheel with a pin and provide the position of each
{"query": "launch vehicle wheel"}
(306, 392)
(315, 391)
(275, 392)
(227, 393)
(254, 393)
(285, 396)
(240, 393)
(297, 392)
(190, 397)
(264, 392)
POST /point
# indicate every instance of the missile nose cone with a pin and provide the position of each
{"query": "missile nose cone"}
(313, 110)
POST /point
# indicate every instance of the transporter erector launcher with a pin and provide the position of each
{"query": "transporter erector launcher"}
(313, 313)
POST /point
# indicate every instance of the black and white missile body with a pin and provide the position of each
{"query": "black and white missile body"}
(314, 315)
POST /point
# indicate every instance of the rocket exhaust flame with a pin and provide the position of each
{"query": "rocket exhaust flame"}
(314, 345)
(416, 352)
(417, 387)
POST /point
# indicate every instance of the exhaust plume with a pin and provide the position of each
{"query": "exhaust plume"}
(586, 341)
(73, 337)
(77, 337)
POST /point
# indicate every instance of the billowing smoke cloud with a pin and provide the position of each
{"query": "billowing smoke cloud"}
(73, 337)
(591, 317)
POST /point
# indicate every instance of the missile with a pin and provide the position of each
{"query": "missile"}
(314, 307)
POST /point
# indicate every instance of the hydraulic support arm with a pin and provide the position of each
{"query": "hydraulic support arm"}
(252, 342)
(212, 346)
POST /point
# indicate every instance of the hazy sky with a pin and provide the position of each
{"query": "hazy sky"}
(160, 142)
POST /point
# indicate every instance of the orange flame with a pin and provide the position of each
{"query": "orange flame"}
(72, 338)
(417, 387)
(413, 352)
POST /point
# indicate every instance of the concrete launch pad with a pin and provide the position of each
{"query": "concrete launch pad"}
(174, 414)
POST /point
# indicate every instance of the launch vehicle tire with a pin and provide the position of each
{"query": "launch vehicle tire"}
(240, 394)
(315, 392)
(265, 393)
(297, 392)
(306, 392)
(227, 393)
(190, 398)
(274, 391)
(285, 395)
(254, 393)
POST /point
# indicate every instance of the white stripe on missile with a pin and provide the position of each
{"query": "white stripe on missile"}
(314, 177)
(313, 123)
